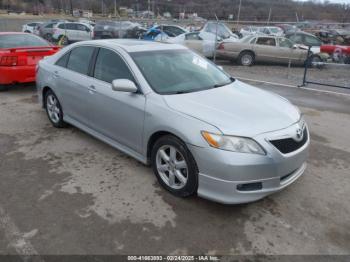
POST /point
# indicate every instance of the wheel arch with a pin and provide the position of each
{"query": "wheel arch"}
(44, 92)
(153, 139)
(247, 51)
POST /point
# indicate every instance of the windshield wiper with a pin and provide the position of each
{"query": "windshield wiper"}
(224, 84)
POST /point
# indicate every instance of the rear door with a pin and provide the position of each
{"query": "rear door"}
(83, 32)
(73, 83)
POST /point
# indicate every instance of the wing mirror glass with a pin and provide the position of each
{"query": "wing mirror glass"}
(124, 85)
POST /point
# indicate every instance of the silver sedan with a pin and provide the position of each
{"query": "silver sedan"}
(202, 131)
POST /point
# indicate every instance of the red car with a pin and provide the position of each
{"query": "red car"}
(19, 55)
(331, 49)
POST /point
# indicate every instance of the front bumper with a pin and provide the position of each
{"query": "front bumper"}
(17, 74)
(222, 173)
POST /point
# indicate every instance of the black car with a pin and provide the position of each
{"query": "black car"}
(118, 29)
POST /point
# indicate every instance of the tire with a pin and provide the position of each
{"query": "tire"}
(54, 110)
(4, 88)
(246, 58)
(179, 174)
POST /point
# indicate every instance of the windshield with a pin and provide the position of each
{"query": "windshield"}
(21, 40)
(179, 71)
(274, 30)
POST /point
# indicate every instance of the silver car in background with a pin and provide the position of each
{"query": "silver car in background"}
(202, 131)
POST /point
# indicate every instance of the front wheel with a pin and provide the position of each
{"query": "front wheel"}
(174, 166)
(54, 110)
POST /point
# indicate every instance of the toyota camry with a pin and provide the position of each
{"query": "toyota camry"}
(202, 131)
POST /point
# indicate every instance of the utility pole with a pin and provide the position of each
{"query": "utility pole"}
(268, 20)
(239, 11)
(115, 8)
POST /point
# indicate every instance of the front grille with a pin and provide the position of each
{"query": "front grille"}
(289, 145)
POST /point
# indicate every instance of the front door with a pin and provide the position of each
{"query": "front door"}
(117, 115)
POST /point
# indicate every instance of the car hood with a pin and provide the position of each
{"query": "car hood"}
(237, 109)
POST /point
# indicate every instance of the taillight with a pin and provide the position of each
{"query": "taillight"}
(221, 46)
(8, 61)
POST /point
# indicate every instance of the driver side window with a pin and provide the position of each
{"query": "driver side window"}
(110, 66)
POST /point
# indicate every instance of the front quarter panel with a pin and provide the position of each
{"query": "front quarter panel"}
(160, 117)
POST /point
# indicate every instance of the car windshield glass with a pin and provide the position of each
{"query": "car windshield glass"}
(21, 40)
(179, 71)
(274, 30)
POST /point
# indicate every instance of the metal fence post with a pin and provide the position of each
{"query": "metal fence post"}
(307, 62)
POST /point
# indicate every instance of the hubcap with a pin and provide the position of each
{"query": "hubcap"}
(172, 167)
(246, 59)
(53, 108)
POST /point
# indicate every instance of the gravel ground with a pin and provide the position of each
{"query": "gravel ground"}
(64, 192)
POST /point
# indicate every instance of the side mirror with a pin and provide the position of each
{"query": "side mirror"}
(295, 47)
(124, 85)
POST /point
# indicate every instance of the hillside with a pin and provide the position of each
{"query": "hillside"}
(281, 10)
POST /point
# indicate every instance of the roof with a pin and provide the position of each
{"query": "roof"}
(134, 45)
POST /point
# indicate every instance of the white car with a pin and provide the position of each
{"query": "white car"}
(72, 32)
(201, 42)
(249, 30)
(30, 27)
(271, 31)
(221, 30)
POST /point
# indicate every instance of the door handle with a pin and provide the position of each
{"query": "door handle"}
(56, 74)
(92, 89)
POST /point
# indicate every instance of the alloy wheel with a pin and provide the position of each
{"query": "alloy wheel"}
(172, 167)
(53, 108)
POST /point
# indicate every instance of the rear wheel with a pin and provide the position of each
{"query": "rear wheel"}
(174, 166)
(246, 58)
(54, 110)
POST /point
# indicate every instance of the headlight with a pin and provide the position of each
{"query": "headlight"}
(233, 143)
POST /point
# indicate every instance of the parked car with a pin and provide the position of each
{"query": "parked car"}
(248, 30)
(162, 32)
(305, 40)
(288, 28)
(72, 32)
(253, 49)
(117, 29)
(201, 42)
(221, 30)
(338, 53)
(19, 55)
(201, 130)
(30, 27)
(271, 30)
(46, 30)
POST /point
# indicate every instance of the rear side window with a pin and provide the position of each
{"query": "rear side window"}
(110, 66)
(63, 60)
(266, 41)
(79, 59)
(21, 40)
(49, 26)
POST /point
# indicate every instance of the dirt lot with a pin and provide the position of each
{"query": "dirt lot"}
(64, 192)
